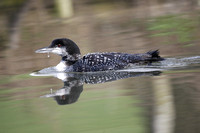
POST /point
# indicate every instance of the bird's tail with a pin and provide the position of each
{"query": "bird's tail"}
(154, 56)
(149, 57)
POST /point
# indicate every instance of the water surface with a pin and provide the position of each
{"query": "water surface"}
(161, 98)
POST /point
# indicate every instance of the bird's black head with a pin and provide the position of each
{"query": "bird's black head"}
(63, 47)
(66, 44)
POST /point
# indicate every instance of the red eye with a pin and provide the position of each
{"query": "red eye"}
(59, 45)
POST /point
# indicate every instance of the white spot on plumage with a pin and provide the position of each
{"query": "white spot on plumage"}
(104, 61)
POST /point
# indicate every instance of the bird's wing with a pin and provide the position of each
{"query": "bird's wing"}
(101, 58)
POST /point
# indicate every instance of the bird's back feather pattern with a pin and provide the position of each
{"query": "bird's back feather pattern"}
(109, 61)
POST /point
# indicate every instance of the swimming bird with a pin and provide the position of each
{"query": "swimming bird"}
(92, 62)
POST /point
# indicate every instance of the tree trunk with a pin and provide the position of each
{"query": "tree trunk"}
(65, 8)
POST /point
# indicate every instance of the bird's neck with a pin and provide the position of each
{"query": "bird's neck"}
(68, 61)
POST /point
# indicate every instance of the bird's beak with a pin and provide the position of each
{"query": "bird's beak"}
(58, 51)
(44, 50)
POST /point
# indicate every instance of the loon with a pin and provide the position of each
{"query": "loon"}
(92, 62)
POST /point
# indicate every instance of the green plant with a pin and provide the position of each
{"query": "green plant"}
(180, 27)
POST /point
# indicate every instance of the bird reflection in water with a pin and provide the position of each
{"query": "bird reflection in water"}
(73, 82)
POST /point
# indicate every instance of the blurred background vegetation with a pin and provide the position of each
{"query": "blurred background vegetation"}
(160, 21)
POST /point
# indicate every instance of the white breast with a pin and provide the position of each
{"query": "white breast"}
(61, 66)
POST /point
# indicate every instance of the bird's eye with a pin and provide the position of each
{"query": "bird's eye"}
(59, 45)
